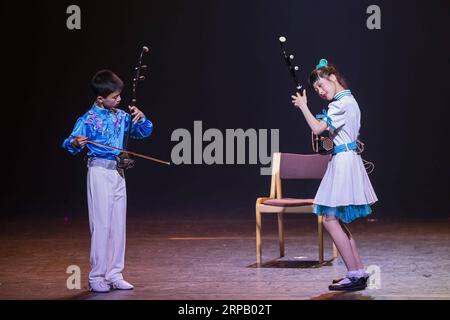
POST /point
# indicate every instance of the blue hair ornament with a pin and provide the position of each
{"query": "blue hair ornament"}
(322, 63)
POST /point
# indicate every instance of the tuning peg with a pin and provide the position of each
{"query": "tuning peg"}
(296, 68)
(291, 57)
(141, 78)
(144, 66)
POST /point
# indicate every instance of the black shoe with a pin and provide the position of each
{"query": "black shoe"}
(339, 280)
(354, 285)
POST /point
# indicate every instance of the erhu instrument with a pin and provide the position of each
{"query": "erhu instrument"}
(124, 160)
(320, 144)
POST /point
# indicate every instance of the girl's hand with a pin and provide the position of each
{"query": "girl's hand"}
(300, 101)
(80, 141)
(136, 113)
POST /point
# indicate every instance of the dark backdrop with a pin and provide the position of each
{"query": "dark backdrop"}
(219, 62)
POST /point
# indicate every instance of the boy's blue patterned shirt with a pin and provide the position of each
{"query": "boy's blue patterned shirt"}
(108, 127)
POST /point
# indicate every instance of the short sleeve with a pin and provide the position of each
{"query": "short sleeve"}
(334, 117)
(336, 113)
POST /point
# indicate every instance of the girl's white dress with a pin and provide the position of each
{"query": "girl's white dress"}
(345, 190)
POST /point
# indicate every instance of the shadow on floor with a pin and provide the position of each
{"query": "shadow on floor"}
(342, 296)
(295, 264)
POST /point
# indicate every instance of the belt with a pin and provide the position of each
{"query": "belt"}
(345, 147)
(104, 163)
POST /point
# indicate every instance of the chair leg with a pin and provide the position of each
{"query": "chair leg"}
(281, 233)
(320, 235)
(258, 236)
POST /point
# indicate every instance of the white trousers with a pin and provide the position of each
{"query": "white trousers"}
(107, 201)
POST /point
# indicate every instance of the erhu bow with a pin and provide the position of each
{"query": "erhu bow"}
(143, 156)
(320, 144)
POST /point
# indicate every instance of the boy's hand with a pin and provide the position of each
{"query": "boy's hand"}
(136, 113)
(300, 101)
(80, 141)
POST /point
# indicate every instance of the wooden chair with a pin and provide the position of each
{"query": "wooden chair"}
(290, 166)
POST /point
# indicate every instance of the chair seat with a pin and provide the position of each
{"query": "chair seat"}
(288, 202)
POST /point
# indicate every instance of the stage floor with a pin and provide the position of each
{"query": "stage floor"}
(184, 257)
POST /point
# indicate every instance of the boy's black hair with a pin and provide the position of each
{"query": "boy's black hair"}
(106, 82)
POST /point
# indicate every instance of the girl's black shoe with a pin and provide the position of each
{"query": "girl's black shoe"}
(339, 280)
(354, 285)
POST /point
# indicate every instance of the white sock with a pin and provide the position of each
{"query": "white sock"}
(363, 273)
(354, 274)
(344, 281)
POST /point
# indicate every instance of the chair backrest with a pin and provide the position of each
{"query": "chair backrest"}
(303, 166)
(296, 166)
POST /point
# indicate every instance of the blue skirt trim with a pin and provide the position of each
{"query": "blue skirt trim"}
(344, 213)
